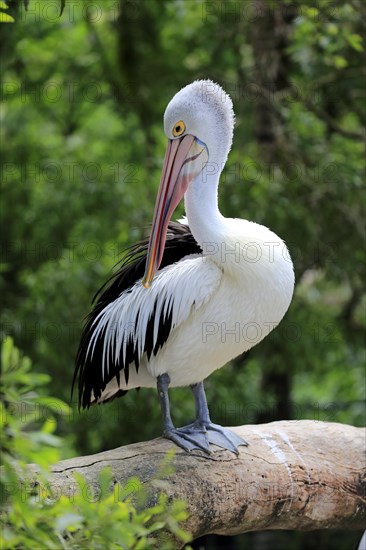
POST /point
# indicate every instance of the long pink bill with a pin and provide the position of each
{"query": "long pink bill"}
(181, 165)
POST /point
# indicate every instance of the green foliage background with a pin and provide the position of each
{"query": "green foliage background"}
(87, 515)
(82, 145)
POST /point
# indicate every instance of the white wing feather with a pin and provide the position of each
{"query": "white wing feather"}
(184, 286)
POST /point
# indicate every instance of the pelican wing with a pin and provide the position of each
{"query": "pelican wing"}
(130, 323)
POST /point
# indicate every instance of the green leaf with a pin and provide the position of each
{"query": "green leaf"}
(131, 488)
(355, 41)
(105, 481)
(6, 352)
(5, 18)
(310, 12)
(53, 404)
(49, 426)
(339, 61)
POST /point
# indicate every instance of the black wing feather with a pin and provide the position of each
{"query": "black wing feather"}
(179, 243)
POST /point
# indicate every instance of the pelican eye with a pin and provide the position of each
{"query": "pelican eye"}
(179, 128)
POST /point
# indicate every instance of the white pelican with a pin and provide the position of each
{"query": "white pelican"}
(198, 293)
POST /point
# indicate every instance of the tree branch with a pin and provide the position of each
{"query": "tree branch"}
(300, 475)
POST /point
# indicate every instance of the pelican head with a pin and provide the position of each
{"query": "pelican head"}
(199, 124)
(204, 110)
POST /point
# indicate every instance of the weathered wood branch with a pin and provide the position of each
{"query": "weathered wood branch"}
(293, 475)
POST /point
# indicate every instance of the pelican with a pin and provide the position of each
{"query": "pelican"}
(197, 294)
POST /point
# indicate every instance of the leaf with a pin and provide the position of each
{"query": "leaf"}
(310, 12)
(63, 3)
(49, 426)
(131, 488)
(105, 481)
(5, 18)
(53, 404)
(8, 350)
(156, 526)
(3, 6)
(355, 41)
(340, 62)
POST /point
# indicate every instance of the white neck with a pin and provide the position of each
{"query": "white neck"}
(201, 204)
(264, 263)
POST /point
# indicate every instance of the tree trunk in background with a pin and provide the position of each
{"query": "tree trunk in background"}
(269, 38)
(138, 52)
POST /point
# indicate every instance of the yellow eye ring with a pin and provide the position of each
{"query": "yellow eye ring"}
(179, 128)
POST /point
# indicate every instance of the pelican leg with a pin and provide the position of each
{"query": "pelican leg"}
(190, 437)
(217, 435)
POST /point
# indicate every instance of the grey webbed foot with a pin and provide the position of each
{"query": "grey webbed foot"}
(222, 437)
(198, 436)
(189, 438)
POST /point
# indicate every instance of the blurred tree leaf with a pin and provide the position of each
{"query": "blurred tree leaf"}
(5, 17)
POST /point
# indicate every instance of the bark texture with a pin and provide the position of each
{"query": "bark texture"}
(293, 475)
